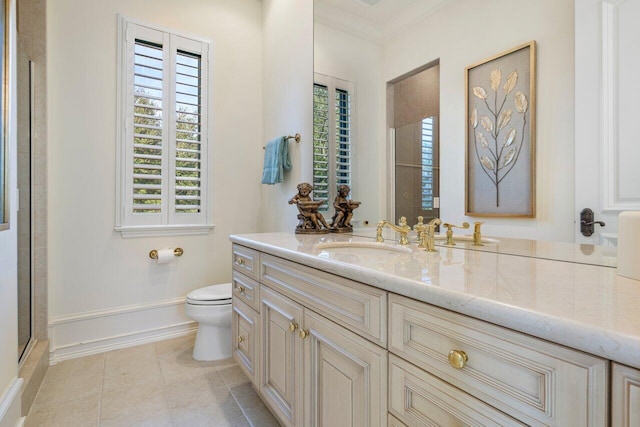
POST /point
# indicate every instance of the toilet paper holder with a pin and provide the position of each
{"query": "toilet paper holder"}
(154, 253)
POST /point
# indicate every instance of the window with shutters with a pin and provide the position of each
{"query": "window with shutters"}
(163, 156)
(427, 164)
(332, 137)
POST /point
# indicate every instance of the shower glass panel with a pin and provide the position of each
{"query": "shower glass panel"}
(24, 216)
(417, 170)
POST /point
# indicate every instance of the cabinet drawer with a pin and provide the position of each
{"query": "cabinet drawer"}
(361, 308)
(625, 396)
(246, 261)
(246, 289)
(245, 335)
(533, 380)
(418, 399)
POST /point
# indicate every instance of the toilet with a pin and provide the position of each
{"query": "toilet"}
(211, 308)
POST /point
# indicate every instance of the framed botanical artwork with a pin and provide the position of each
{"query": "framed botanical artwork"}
(500, 141)
(4, 96)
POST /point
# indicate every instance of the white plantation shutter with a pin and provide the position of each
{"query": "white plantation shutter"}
(427, 163)
(321, 143)
(164, 141)
(332, 137)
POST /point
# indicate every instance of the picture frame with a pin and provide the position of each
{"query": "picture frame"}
(500, 134)
(4, 98)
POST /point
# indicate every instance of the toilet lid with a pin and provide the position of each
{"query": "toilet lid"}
(211, 295)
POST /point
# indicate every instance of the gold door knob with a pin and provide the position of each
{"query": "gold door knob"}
(458, 358)
(304, 333)
(240, 339)
(240, 261)
(293, 326)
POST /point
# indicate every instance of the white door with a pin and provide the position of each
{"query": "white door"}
(607, 114)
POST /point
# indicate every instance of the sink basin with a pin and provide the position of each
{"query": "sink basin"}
(361, 248)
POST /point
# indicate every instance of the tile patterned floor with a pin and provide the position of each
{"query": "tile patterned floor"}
(157, 384)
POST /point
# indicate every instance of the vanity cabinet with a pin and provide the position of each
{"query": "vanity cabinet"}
(309, 342)
(244, 333)
(345, 376)
(281, 352)
(335, 352)
(531, 380)
(317, 373)
(625, 396)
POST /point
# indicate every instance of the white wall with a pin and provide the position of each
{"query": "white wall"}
(464, 32)
(342, 55)
(101, 285)
(9, 383)
(288, 102)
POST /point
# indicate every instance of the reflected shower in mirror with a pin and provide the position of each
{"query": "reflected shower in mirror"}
(413, 110)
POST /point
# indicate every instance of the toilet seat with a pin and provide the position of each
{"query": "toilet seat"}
(211, 295)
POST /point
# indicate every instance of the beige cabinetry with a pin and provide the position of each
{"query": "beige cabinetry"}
(281, 353)
(309, 370)
(534, 381)
(345, 376)
(625, 396)
(244, 326)
(323, 350)
(418, 399)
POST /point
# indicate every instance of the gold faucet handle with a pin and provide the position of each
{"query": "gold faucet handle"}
(477, 235)
(420, 224)
(448, 226)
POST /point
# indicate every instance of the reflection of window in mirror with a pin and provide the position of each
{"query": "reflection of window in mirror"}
(413, 115)
(332, 137)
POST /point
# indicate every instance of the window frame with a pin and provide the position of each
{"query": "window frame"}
(167, 222)
(333, 84)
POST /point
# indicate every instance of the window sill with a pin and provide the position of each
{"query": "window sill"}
(163, 230)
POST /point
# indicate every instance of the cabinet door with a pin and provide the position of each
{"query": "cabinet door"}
(345, 381)
(280, 369)
(245, 327)
(625, 396)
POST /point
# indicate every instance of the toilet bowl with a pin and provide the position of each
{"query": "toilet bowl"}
(211, 308)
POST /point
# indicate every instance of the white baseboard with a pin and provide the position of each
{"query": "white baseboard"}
(95, 332)
(10, 404)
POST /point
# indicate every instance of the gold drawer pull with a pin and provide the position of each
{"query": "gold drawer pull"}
(458, 358)
(240, 261)
(304, 333)
(293, 326)
(240, 339)
(240, 289)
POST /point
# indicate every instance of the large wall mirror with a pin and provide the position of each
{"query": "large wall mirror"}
(375, 43)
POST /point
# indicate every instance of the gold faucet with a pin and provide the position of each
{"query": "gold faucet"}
(401, 228)
(477, 236)
(450, 241)
(427, 239)
(420, 228)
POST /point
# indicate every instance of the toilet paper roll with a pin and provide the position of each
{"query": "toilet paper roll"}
(629, 245)
(165, 256)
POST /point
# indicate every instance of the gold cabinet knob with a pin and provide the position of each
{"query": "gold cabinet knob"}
(293, 326)
(240, 261)
(240, 289)
(458, 358)
(240, 339)
(304, 333)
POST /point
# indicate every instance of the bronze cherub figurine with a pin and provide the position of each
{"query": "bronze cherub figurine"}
(310, 220)
(344, 211)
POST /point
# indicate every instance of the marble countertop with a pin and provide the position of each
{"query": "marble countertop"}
(579, 305)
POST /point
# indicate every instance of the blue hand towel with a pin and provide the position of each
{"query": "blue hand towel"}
(276, 160)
